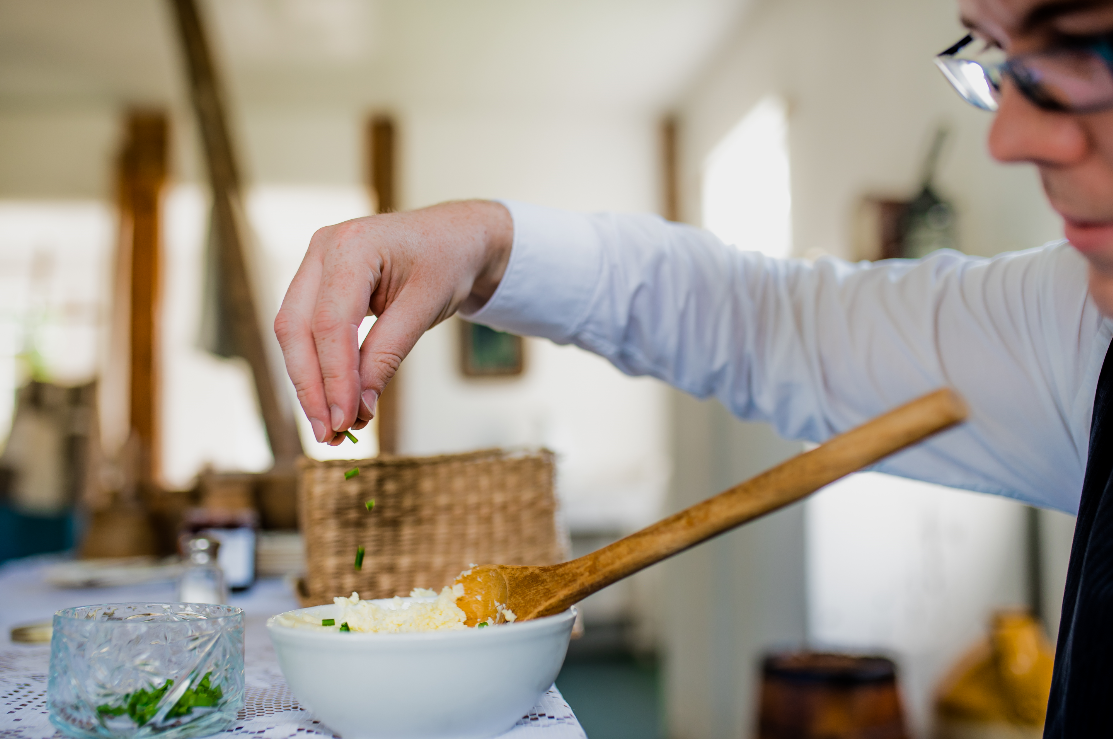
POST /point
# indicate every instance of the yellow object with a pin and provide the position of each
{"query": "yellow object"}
(32, 633)
(1005, 680)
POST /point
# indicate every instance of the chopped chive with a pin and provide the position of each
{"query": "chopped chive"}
(481, 624)
(369, 504)
(351, 437)
(142, 705)
(344, 626)
(328, 622)
(359, 558)
(351, 473)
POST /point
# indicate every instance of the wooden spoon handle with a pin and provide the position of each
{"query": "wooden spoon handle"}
(784, 484)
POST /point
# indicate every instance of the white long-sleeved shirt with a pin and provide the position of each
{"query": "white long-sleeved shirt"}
(818, 348)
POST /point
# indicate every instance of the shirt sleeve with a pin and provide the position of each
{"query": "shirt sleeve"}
(818, 348)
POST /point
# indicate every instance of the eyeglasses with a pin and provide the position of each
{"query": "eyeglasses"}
(1077, 78)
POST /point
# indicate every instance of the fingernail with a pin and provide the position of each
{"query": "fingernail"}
(318, 430)
(337, 417)
(370, 398)
(360, 423)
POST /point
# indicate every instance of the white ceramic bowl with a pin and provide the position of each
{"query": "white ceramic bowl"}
(465, 684)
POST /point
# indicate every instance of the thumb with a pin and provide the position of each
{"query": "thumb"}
(390, 339)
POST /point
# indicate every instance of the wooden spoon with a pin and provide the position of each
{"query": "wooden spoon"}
(490, 591)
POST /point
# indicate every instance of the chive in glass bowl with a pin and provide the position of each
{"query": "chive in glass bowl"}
(139, 670)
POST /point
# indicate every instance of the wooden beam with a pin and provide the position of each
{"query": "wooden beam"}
(232, 233)
(142, 173)
(381, 172)
(382, 178)
(670, 169)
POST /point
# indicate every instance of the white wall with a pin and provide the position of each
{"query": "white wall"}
(1056, 536)
(56, 154)
(864, 100)
(608, 430)
(912, 570)
(726, 602)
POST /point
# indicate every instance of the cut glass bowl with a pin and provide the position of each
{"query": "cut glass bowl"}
(137, 670)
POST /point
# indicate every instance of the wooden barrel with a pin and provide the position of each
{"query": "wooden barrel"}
(814, 695)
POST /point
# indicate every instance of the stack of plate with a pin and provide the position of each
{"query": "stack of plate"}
(279, 553)
(112, 572)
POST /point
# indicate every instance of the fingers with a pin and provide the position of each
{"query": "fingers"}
(412, 269)
(316, 327)
(367, 403)
(342, 299)
(293, 328)
(391, 338)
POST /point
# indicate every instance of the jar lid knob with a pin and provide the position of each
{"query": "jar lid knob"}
(202, 549)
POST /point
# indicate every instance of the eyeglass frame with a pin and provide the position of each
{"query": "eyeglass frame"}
(1015, 69)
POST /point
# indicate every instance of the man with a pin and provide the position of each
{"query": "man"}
(815, 349)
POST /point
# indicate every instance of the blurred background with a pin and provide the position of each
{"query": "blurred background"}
(796, 127)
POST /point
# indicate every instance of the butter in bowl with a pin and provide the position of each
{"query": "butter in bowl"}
(143, 670)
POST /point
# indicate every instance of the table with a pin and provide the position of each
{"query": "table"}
(270, 711)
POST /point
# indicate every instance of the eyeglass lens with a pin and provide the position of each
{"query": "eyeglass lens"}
(971, 80)
(1077, 80)
(1066, 81)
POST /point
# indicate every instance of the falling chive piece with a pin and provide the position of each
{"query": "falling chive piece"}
(328, 622)
(369, 504)
(344, 626)
(481, 624)
(351, 473)
(359, 558)
(351, 437)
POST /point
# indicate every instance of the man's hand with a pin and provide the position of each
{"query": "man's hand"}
(412, 270)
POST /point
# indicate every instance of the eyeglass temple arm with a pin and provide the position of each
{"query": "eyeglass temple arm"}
(954, 49)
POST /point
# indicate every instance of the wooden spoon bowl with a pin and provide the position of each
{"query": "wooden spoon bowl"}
(498, 593)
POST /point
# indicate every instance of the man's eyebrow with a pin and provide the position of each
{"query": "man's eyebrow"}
(1048, 12)
(975, 30)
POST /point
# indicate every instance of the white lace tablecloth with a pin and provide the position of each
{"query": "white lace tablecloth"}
(270, 710)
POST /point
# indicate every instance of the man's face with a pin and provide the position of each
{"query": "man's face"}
(1074, 152)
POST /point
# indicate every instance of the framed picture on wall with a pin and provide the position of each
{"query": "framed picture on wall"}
(485, 352)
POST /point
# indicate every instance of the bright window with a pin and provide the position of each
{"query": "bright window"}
(56, 282)
(55, 276)
(747, 198)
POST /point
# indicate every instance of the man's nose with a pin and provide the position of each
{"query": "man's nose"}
(1022, 132)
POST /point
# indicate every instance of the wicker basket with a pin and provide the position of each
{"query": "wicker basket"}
(433, 517)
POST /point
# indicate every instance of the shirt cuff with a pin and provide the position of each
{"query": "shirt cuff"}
(554, 268)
